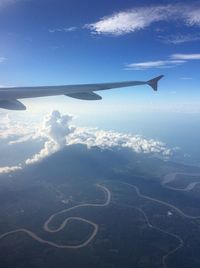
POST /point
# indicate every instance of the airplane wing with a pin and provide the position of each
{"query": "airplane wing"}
(9, 96)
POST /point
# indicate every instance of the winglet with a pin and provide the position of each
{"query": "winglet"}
(154, 82)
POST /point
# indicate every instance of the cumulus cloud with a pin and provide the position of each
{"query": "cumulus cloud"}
(54, 129)
(136, 19)
(58, 133)
(111, 139)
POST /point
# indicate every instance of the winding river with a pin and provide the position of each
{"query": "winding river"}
(65, 222)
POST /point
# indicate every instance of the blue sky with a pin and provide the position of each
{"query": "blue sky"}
(53, 42)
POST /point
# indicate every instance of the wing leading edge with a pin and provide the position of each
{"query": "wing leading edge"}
(9, 96)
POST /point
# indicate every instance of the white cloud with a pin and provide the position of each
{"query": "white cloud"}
(175, 60)
(154, 64)
(56, 132)
(132, 20)
(54, 129)
(128, 21)
(5, 170)
(193, 16)
(13, 130)
(111, 139)
(186, 56)
(63, 29)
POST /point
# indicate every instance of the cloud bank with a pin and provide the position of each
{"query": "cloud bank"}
(59, 133)
(140, 18)
(56, 131)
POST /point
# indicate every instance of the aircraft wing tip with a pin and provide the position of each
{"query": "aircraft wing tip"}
(154, 82)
